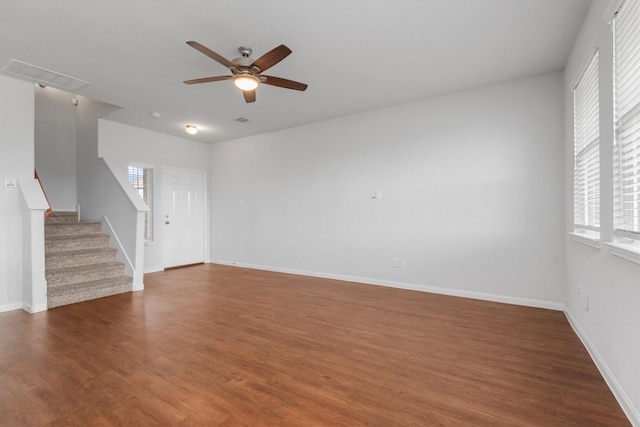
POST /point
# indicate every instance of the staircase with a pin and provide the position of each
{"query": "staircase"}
(79, 264)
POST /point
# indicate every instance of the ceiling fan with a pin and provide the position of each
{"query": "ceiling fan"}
(247, 73)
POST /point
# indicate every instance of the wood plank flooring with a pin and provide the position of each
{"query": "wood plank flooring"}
(215, 345)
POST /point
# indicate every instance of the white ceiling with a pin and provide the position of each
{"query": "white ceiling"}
(355, 55)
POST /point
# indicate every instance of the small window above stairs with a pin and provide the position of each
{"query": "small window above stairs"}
(79, 264)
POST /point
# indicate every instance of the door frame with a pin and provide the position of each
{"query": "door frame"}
(164, 170)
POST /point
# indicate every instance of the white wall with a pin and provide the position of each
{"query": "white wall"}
(16, 161)
(127, 144)
(610, 328)
(471, 195)
(55, 146)
(88, 112)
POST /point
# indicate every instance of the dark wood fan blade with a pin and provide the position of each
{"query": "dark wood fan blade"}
(208, 79)
(249, 95)
(272, 57)
(211, 54)
(287, 84)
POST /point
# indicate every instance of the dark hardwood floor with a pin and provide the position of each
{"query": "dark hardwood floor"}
(214, 345)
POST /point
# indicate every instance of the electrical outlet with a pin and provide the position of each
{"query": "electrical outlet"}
(397, 262)
(580, 292)
(241, 248)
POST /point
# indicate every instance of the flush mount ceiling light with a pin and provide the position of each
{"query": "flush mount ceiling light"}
(246, 81)
(191, 129)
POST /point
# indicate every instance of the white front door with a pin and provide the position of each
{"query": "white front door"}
(183, 217)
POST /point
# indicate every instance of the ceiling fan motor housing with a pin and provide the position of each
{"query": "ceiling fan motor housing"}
(243, 64)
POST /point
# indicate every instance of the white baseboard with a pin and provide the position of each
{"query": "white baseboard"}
(625, 403)
(35, 308)
(550, 305)
(10, 307)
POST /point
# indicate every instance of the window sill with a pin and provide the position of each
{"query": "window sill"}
(627, 251)
(586, 238)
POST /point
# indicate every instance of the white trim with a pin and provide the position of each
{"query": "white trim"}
(144, 165)
(33, 195)
(586, 239)
(34, 288)
(129, 270)
(625, 251)
(618, 392)
(611, 11)
(593, 47)
(528, 302)
(35, 309)
(10, 307)
(181, 169)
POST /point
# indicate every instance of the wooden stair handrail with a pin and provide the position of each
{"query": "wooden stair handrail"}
(49, 211)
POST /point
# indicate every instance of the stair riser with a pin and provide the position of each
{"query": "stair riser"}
(63, 260)
(95, 242)
(62, 219)
(72, 230)
(58, 279)
(59, 300)
(91, 286)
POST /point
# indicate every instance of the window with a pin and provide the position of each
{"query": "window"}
(627, 121)
(586, 171)
(142, 179)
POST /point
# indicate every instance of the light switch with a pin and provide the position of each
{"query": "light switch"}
(10, 182)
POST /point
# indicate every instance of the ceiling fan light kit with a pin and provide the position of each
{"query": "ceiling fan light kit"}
(246, 73)
(246, 82)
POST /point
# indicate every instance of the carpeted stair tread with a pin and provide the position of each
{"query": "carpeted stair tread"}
(62, 218)
(84, 291)
(70, 243)
(80, 228)
(77, 258)
(64, 213)
(62, 276)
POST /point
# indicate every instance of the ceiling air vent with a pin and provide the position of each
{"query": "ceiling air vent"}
(42, 76)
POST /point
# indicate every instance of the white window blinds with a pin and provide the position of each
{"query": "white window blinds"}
(586, 172)
(142, 179)
(627, 120)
